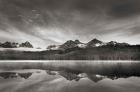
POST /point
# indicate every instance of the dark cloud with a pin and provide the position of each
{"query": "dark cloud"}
(126, 8)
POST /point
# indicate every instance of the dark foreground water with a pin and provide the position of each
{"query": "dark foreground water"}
(69, 76)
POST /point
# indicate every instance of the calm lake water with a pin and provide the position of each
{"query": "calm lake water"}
(69, 76)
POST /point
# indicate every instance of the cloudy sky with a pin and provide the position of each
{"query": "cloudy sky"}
(45, 22)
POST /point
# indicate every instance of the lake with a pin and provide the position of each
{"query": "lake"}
(69, 76)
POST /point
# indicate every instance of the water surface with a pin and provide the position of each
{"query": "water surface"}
(69, 76)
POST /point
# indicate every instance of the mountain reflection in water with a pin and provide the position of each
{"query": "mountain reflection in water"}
(7, 75)
(70, 76)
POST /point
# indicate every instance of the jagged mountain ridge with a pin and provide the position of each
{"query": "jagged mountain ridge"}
(114, 43)
(93, 43)
(67, 45)
(26, 44)
(70, 44)
(16, 45)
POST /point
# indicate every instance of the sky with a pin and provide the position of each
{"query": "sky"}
(46, 22)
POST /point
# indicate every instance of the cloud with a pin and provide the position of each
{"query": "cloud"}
(54, 22)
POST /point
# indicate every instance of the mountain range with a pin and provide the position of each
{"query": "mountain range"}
(67, 45)
(93, 43)
(16, 45)
(74, 50)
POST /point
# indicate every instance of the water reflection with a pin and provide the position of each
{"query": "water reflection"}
(7, 75)
(70, 76)
(75, 70)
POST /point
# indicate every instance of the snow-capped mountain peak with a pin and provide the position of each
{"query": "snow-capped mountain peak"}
(95, 43)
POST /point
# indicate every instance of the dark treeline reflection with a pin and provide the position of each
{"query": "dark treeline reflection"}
(73, 70)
